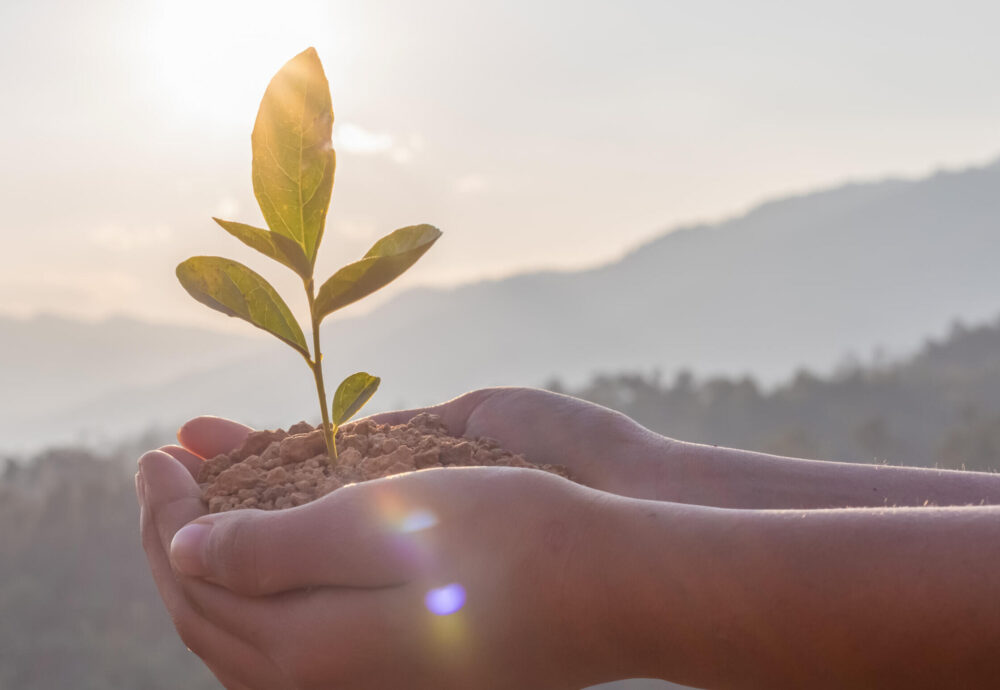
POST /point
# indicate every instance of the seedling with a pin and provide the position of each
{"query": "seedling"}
(293, 168)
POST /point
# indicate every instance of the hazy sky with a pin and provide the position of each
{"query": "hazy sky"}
(535, 134)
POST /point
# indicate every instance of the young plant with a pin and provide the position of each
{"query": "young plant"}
(293, 167)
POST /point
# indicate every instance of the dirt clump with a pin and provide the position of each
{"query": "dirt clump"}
(279, 469)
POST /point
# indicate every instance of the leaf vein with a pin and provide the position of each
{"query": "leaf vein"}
(274, 157)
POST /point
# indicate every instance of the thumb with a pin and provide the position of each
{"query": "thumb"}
(337, 541)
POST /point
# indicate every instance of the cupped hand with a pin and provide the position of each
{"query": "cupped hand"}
(602, 448)
(169, 498)
(456, 578)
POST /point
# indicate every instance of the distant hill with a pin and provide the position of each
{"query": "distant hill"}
(798, 282)
(51, 365)
(939, 408)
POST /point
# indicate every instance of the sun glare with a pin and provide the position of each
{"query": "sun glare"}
(210, 61)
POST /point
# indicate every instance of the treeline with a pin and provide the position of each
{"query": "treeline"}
(939, 408)
(78, 608)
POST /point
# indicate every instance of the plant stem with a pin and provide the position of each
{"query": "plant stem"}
(317, 367)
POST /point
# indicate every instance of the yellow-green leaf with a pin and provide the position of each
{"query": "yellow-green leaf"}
(293, 159)
(385, 261)
(235, 290)
(271, 244)
(352, 394)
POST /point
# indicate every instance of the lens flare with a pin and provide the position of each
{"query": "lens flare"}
(416, 521)
(444, 601)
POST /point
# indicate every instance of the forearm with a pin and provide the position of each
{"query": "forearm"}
(790, 599)
(667, 470)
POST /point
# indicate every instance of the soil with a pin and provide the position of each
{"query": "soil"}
(283, 469)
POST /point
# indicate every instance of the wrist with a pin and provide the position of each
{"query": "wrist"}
(589, 589)
(667, 570)
(609, 592)
(647, 466)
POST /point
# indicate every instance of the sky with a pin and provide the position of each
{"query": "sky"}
(536, 134)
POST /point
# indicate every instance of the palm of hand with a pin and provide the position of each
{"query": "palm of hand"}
(598, 445)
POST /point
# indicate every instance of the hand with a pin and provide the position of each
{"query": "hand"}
(341, 592)
(169, 498)
(602, 448)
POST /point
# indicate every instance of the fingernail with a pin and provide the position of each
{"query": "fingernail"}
(188, 548)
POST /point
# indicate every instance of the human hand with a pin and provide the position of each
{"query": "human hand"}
(166, 489)
(602, 448)
(341, 592)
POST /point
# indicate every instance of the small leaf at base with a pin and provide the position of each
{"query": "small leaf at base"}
(352, 394)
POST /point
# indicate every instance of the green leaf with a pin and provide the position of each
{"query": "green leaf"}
(235, 290)
(271, 244)
(385, 261)
(293, 159)
(352, 394)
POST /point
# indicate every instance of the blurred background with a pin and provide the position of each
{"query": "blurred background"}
(757, 224)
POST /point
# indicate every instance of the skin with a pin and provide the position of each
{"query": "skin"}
(710, 567)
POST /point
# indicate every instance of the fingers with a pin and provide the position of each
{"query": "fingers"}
(398, 416)
(265, 622)
(255, 620)
(207, 437)
(172, 495)
(454, 413)
(185, 457)
(344, 539)
(237, 665)
(319, 615)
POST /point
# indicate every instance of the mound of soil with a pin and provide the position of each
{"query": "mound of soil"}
(282, 469)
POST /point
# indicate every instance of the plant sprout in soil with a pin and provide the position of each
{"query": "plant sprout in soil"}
(293, 169)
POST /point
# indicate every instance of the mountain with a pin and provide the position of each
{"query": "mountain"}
(938, 408)
(798, 282)
(50, 366)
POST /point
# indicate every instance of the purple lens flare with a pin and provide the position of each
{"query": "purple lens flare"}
(444, 601)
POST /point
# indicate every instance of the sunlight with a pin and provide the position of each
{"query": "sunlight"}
(210, 61)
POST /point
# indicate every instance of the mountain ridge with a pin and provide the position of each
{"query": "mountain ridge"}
(800, 281)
